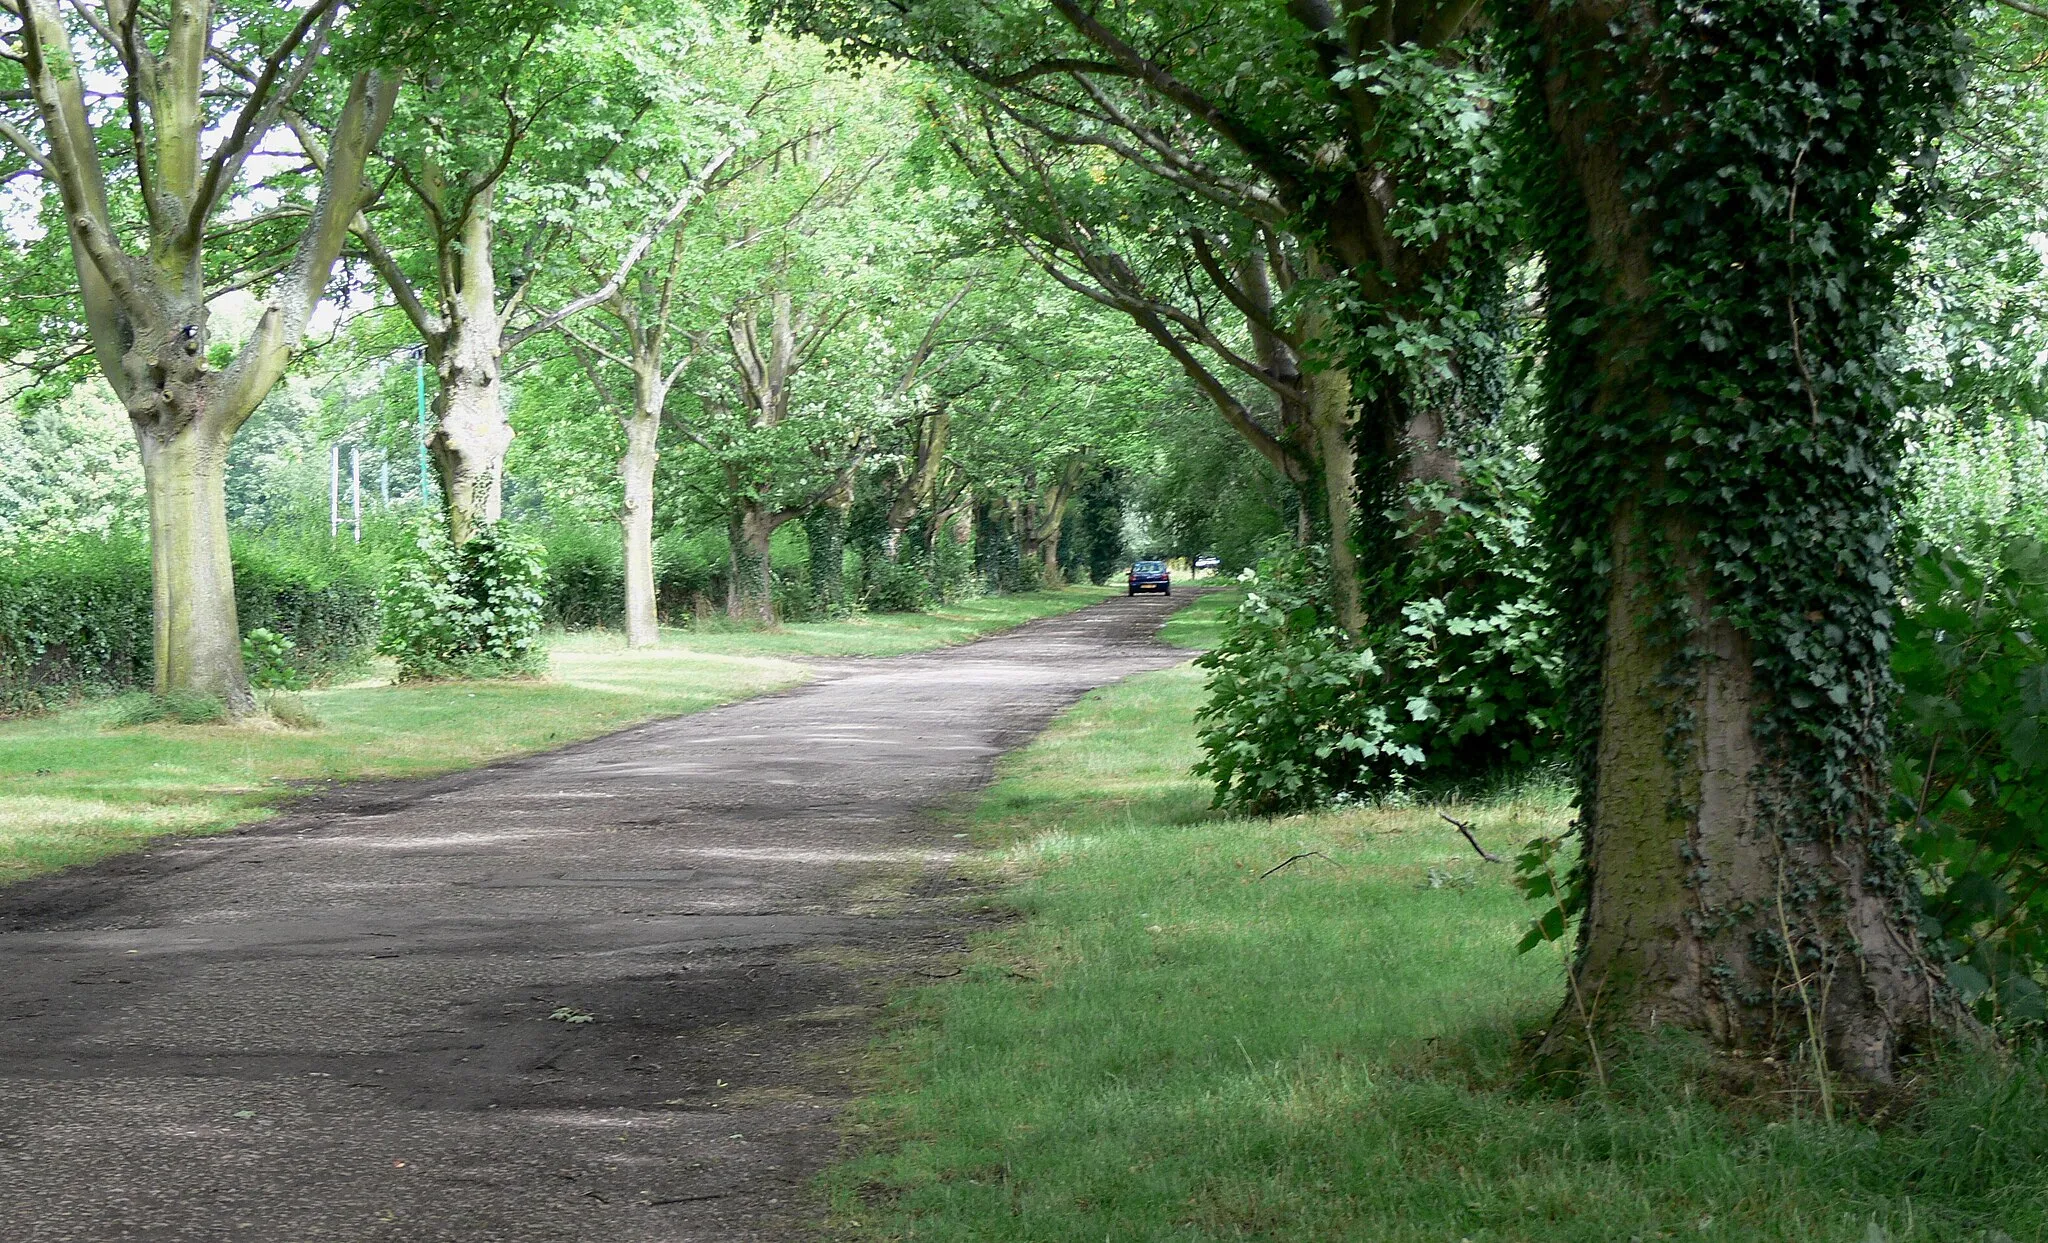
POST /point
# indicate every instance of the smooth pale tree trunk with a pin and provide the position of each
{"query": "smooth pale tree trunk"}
(146, 311)
(196, 633)
(1694, 884)
(636, 524)
(750, 590)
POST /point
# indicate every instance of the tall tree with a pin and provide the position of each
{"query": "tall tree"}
(1070, 390)
(1359, 129)
(492, 159)
(629, 275)
(816, 319)
(146, 120)
(1727, 207)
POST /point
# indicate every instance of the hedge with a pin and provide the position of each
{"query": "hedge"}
(75, 613)
(586, 575)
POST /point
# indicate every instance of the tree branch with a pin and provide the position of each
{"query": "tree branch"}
(693, 193)
(266, 99)
(343, 195)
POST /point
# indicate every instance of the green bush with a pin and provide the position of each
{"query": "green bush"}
(267, 658)
(1456, 675)
(951, 569)
(317, 592)
(1290, 720)
(894, 586)
(586, 576)
(1971, 766)
(469, 611)
(688, 572)
(75, 613)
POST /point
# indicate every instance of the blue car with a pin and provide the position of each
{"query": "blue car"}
(1150, 576)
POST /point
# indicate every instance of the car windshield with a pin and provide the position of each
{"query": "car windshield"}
(1149, 567)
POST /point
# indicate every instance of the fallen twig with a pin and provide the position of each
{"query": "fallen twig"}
(1466, 829)
(1312, 854)
(939, 975)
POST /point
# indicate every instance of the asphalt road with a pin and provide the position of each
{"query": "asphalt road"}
(354, 1023)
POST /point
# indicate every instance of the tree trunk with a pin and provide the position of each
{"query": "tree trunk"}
(146, 311)
(198, 642)
(1049, 556)
(1692, 891)
(825, 532)
(1330, 413)
(471, 433)
(636, 522)
(914, 491)
(1037, 524)
(1741, 880)
(750, 591)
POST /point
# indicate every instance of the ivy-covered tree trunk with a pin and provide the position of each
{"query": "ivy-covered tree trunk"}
(750, 591)
(1719, 455)
(825, 532)
(636, 524)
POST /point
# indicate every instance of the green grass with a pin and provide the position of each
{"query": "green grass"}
(1169, 1047)
(75, 787)
(1200, 624)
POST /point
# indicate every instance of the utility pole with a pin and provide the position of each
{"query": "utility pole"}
(419, 358)
(355, 487)
(334, 489)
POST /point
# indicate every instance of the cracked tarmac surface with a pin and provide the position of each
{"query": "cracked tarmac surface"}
(359, 1022)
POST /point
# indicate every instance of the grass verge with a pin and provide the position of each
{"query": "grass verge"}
(1177, 1043)
(1200, 624)
(77, 785)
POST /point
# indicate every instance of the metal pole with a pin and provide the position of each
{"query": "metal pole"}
(384, 476)
(355, 487)
(420, 378)
(333, 489)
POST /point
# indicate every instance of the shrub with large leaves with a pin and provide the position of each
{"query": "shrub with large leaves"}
(1454, 677)
(1290, 720)
(466, 611)
(1971, 767)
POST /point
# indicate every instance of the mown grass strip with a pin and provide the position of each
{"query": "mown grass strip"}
(1167, 1047)
(1198, 625)
(74, 789)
